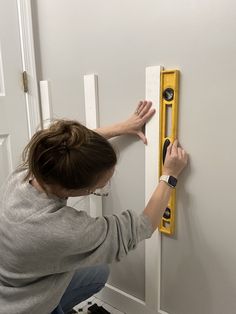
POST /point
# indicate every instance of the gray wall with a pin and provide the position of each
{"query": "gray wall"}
(117, 40)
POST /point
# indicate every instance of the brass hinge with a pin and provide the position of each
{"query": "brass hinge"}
(25, 82)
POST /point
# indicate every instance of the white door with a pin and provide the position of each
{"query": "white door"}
(13, 113)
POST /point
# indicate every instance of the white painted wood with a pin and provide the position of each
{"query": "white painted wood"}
(5, 157)
(95, 205)
(124, 301)
(91, 101)
(79, 203)
(46, 105)
(162, 312)
(15, 116)
(83, 306)
(153, 245)
(28, 61)
(92, 122)
(2, 84)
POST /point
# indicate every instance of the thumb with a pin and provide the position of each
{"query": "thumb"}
(142, 137)
(169, 149)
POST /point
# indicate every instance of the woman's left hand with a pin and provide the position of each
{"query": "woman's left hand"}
(134, 125)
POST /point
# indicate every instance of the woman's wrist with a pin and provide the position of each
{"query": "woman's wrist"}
(170, 173)
(112, 131)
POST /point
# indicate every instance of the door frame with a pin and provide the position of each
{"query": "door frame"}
(29, 65)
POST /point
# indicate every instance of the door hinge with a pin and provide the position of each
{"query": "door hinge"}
(25, 81)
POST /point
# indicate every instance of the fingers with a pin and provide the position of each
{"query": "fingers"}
(176, 143)
(143, 108)
(139, 108)
(176, 150)
(176, 159)
(173, 147)
(148, 115)
(185, 156)
(169, 149)
(181, 153)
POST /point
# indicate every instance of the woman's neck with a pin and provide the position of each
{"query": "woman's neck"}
(36, 185)
(47, 189)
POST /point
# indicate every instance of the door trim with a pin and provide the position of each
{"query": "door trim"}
(29, 65)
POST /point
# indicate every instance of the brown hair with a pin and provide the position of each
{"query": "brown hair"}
(69, 155)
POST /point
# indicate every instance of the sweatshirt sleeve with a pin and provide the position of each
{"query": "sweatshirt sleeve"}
(99, 240)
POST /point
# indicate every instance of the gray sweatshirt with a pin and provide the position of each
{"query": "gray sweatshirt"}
(43, 242)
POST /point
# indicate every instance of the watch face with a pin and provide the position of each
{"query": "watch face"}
(172, 181)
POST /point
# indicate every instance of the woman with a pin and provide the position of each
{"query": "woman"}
(52, 255)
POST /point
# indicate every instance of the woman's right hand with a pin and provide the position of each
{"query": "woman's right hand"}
(175, 161)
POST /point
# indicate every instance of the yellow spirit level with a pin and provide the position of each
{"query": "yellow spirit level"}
(169, 97)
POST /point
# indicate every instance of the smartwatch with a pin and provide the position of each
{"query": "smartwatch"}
(170, 180)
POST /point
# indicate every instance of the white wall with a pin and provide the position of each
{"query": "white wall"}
(118, 39)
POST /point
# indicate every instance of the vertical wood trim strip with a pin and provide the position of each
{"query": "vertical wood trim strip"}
(46, 106)
(2, 84)
(92, 122)
(153, 245)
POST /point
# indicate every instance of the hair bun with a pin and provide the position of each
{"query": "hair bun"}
(64, 148)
